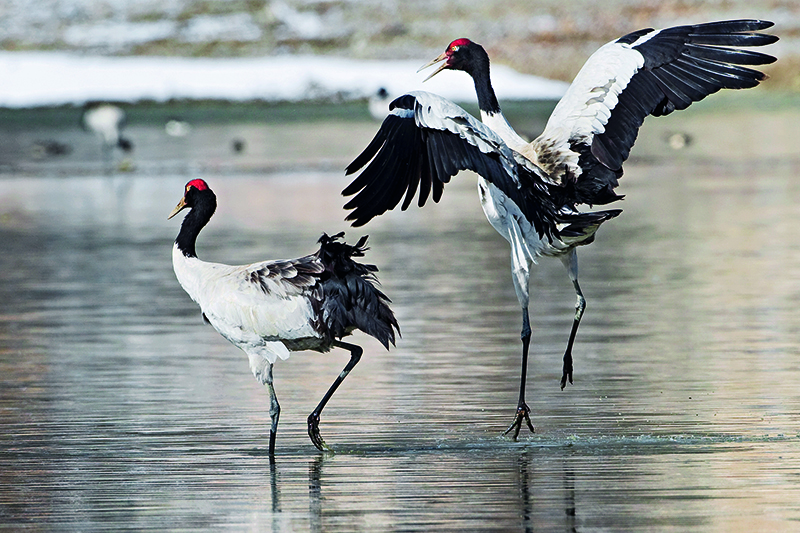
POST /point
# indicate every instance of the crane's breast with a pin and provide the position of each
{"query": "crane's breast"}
(249, 311)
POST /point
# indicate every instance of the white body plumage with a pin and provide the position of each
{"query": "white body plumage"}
(526, 244)
(260, 321)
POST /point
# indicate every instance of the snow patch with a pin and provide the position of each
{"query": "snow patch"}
(55, 78)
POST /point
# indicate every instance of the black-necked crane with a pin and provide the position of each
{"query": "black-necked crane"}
(107, 121)
(530, 192)
(272, 308)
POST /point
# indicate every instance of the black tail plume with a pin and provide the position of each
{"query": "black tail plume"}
(352, 299)
(585, 224)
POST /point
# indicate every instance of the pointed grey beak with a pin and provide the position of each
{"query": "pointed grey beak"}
(443, 66)
(178, 208)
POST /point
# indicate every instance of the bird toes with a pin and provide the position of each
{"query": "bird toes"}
(566, 376)
(313, 433)
(523, 415)
(567, 370)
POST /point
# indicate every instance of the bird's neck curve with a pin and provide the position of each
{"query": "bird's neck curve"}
(491, 115)
(487, 100)
(193, 222)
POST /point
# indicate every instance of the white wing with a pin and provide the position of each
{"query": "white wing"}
(649, 72)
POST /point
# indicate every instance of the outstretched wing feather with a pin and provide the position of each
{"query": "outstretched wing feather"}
(420, 146)
(644, 73)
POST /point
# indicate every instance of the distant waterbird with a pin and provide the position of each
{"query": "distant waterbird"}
(530, 192)
(50, 148)
(238, 145)
(176, 127)
(272, 308)
(107, 122)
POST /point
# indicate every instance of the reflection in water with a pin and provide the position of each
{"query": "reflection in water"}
(275, 491)
(315, 493)
(534, 513)
(525, 489)
(531, 520)
(569, 499)
(120, 409)
(441, 493)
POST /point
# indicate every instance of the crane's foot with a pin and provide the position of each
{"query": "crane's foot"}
(313, 433)
(567, 370)
(523, 415)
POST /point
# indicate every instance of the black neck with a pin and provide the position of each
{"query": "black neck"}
(194, 221)
(487, 101)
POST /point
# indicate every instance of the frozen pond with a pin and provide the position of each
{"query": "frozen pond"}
(120, 410)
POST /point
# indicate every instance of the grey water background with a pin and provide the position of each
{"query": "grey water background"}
(120, 410)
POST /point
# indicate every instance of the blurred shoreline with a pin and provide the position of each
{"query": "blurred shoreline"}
(755, 128)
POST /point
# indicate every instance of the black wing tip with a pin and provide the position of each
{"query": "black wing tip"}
(356, 221)
(762, 24)
(768, 39)
(351, 189)
(733, 25)
(388, 336)
(386, 130)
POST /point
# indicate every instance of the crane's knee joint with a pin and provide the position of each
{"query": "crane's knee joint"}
(356, 352)
(580, 306)
(526, 325)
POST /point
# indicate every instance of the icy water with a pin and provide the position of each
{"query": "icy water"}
(120, 410)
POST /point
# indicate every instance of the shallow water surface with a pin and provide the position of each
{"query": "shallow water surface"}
(121, 410)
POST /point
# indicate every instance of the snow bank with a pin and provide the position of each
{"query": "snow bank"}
(53, 78)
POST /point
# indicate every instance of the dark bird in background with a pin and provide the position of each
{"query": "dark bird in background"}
(238, 145)
(50, 148)
(379, 104)
(531, 192)
(272, 308)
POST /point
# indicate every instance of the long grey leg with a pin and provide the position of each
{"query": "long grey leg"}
(571, 263)
(523, 411)
(274, 411)
(520, 275)
(313, 418)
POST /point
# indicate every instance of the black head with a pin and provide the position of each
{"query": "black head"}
(197, 194)
(126, 144)
(462, 54)
(202, 202)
